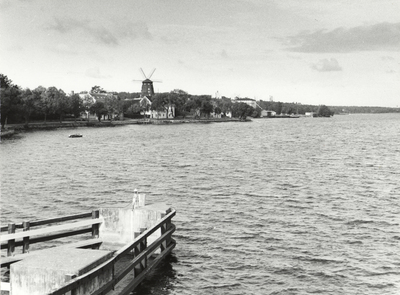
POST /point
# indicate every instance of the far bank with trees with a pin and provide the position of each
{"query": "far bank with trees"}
(23, 105)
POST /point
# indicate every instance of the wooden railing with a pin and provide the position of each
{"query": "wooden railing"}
(29, 235)
(141, 264)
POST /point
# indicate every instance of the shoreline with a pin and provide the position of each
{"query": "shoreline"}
(12, 129)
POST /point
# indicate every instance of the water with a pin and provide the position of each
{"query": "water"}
(284, 206)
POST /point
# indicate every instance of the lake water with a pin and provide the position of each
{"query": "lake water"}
(272, 206)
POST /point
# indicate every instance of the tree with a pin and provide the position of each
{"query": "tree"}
(256, 113)
(241, 110)
(5, 82)
(110, 106)
(97, 89)
(9, 98)
(99, 109)
(206, 106)
(75, 105)
(194, 104)
(159, 103)
(45, 104)
(278, 108)
(133, 109)
(179, 99)
(29, 101)
(119, 107)
(324, 111)
(60, 103)
(225, 104)
(87, 103)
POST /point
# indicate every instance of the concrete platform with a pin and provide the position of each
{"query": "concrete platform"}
(123, 225)
(51, 268)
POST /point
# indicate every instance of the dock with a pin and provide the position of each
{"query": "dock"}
(118, 246)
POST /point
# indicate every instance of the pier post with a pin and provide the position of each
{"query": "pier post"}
(95, 227)
(11, 243)
(25, 243)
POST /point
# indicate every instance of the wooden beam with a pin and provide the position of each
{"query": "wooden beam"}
(51, 220)
(61, 219)
(49, 230)
(52, 237)
(91, 243)
(5, 286)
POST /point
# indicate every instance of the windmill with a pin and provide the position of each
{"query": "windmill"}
(147, 84)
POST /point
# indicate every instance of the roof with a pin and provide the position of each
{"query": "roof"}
(245, 99)
(98, 96)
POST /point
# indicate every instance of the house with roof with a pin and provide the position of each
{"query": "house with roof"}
(251, 102)
(149, 113)
(108, 99)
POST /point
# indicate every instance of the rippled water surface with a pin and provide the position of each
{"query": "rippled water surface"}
(273, 206)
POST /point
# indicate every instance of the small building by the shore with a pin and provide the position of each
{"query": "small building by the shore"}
(267, 114)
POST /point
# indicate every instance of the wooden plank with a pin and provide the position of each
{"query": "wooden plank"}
(50, 229)
(60, 235)
(5, 286)
(52, 237)
(51, 220)
(5, 228)
(91, 243)
(61, 219)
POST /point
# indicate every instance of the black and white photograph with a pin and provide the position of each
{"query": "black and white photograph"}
(182, 147)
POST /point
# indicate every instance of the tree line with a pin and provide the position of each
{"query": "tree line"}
(23, 105)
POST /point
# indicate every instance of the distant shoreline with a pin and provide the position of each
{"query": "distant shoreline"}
(15, 128)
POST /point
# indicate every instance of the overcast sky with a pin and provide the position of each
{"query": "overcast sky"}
(333, 52)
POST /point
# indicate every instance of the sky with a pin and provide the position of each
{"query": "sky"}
(332, 52)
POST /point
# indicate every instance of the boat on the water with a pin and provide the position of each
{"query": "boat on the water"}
(75, 135)
(125, 243)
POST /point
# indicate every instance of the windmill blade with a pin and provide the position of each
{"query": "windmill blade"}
(152, 73)
(159, 81)
(144, 75)
(137, 80)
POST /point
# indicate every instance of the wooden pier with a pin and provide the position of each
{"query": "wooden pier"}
(119, 246)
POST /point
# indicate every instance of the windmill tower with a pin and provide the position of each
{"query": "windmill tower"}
(147, 84)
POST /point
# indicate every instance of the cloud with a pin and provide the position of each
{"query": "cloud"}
(327, 65)
(112, 35)
(66, 25)
(382, 36)
(389, 58)
(134, 31)
(95, 73)
(224, 54)
(64, 49)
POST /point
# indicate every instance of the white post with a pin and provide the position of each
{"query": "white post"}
(142, 200)
(135, 199)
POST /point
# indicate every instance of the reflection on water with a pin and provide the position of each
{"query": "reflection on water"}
(294, 206)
